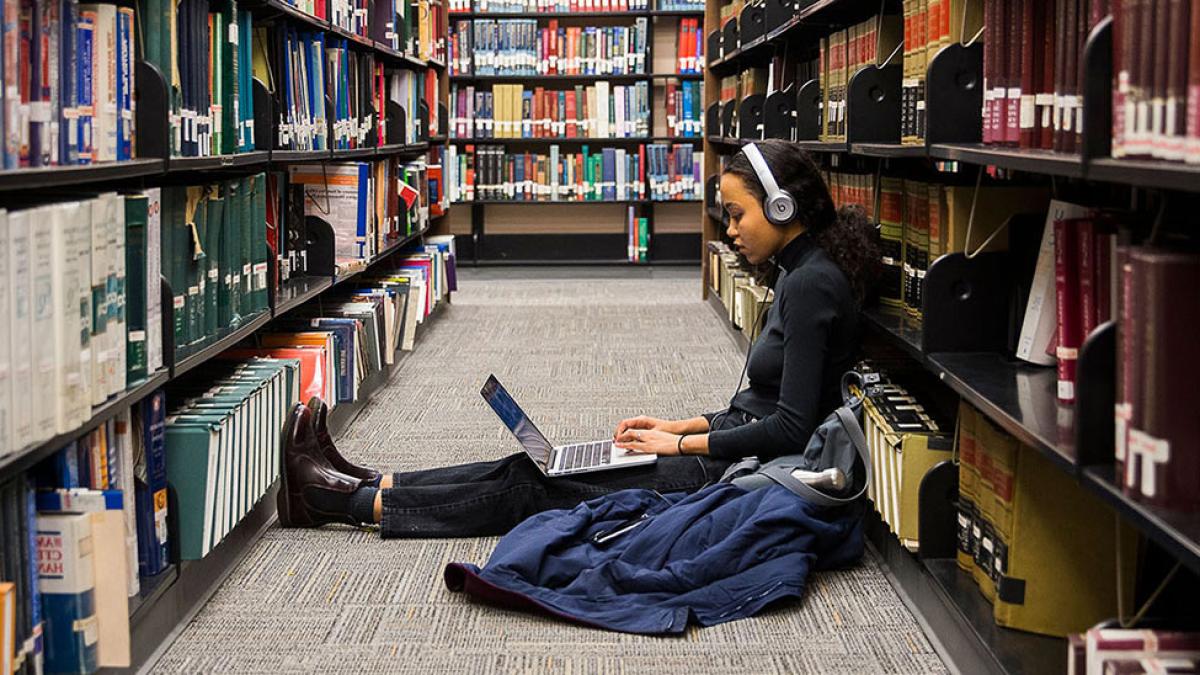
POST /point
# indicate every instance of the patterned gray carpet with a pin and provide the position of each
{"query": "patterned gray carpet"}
(579, 354)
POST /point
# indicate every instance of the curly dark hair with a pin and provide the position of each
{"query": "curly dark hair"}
(845, 234)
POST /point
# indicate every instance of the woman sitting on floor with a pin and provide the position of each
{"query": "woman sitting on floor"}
(824, 259)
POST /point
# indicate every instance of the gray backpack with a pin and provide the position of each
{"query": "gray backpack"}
(833, 448)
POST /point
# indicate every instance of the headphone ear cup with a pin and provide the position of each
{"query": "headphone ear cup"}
(781, 209)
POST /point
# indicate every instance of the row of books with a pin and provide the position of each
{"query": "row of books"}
(1156, 310)
(1013, 508)
(844, 53)
(73, 551)
(654, 171)
(600, 110)
(408, 26)
(904, 440)
(1156, 88)
(99, 510)
(370, 206)
(921, 220)
(488, 47)
(685, 104)
(313, 71)
(81, 308)
(1032, 65)
(563, 6)
(638, 229)
(214, 257)
(689, 46)
(743, 294)
(929, 25)
(69, 79)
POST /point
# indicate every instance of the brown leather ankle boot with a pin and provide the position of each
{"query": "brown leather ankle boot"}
(304, 467)
(320, 416)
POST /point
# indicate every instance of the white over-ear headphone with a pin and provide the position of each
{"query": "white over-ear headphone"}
(779, 206)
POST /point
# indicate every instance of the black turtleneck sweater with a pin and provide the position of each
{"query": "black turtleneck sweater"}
(809, 339)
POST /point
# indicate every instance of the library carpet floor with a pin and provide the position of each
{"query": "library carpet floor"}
(579, 351)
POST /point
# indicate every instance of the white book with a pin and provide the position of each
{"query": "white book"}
(19, 288)
(118, 367)
(1041, 319)
(6, 389)
(154, 350)
(123, 437)
(94, 214)
(43, 311)
(104, 82)
(76, 215)
(68, 412)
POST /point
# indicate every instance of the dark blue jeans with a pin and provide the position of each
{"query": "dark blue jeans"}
(490, 498)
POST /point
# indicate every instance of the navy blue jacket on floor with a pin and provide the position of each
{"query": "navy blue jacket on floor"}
(720, 554)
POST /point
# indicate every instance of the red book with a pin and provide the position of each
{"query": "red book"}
(1067, 294)
(1127, 386)
(1174, 125)
(1085, 240)
(1027, 111)
(641, 175)
(1102, 259)
(1193, 87)
(1167, 430)
(1045, 91)
(1012, 50)
(1061, 27)
(572, 128)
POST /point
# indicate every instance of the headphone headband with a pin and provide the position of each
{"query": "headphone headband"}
(779, 207)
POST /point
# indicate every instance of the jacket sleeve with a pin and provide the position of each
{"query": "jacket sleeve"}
(808, 309)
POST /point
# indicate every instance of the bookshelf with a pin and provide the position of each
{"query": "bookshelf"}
(1017, 397)
(169, 599)
(488, 232)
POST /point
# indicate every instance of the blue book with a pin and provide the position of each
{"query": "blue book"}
(608, 169)
(124, 83)
(35, 645)
(68, 141)
(364, 181)
(79, 500)
(67, 586)
(84, 46)
(151, 496)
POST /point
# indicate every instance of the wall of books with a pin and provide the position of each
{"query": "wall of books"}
(265, 225)
(566, 112)
(1028, 168)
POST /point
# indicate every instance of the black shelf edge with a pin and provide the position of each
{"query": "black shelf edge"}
(576, 140)
(299, 290)
(436, 64)
(1017, 159)
(354, 38)
(887, 150)
(1178, 533)
(402, 149)
(1155, 173)
(728, 142)
(25, 458)
(518, 202)
(677, 76)
(824, 146)
(534, 79)
(294, 156)
(56, 176)
(546, 15)
(206, 353)
(150, 589)
(239, 160)
(955, 616)
(600, 262)
(693, 200)
(677, 12)
(353, 153)
(294, 13)
(896, 325)
(1019, 397)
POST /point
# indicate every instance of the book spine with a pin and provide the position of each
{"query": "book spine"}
(1067, 293)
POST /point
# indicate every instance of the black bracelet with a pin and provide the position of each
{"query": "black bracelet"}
(679, 445)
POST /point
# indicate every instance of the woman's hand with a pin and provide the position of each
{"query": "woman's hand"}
(648, 441)
(643, 422)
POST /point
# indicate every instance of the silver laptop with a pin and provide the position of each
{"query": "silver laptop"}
(561, 460)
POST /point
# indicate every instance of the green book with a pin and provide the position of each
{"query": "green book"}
(259, 240)
(233, 250)
(221, 251)
(137, 215)
(228, 72)
(212, 271)
(193, 454)
(244, 217)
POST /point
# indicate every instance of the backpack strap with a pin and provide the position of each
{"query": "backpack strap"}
(782, 474)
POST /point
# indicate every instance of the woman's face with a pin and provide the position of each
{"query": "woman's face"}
(753, 235)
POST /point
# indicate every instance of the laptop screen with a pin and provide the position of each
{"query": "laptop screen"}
(532, 440)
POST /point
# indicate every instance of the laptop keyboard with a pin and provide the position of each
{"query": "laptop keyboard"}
(584, 455)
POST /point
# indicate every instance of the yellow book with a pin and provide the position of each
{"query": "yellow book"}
(8, 627)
